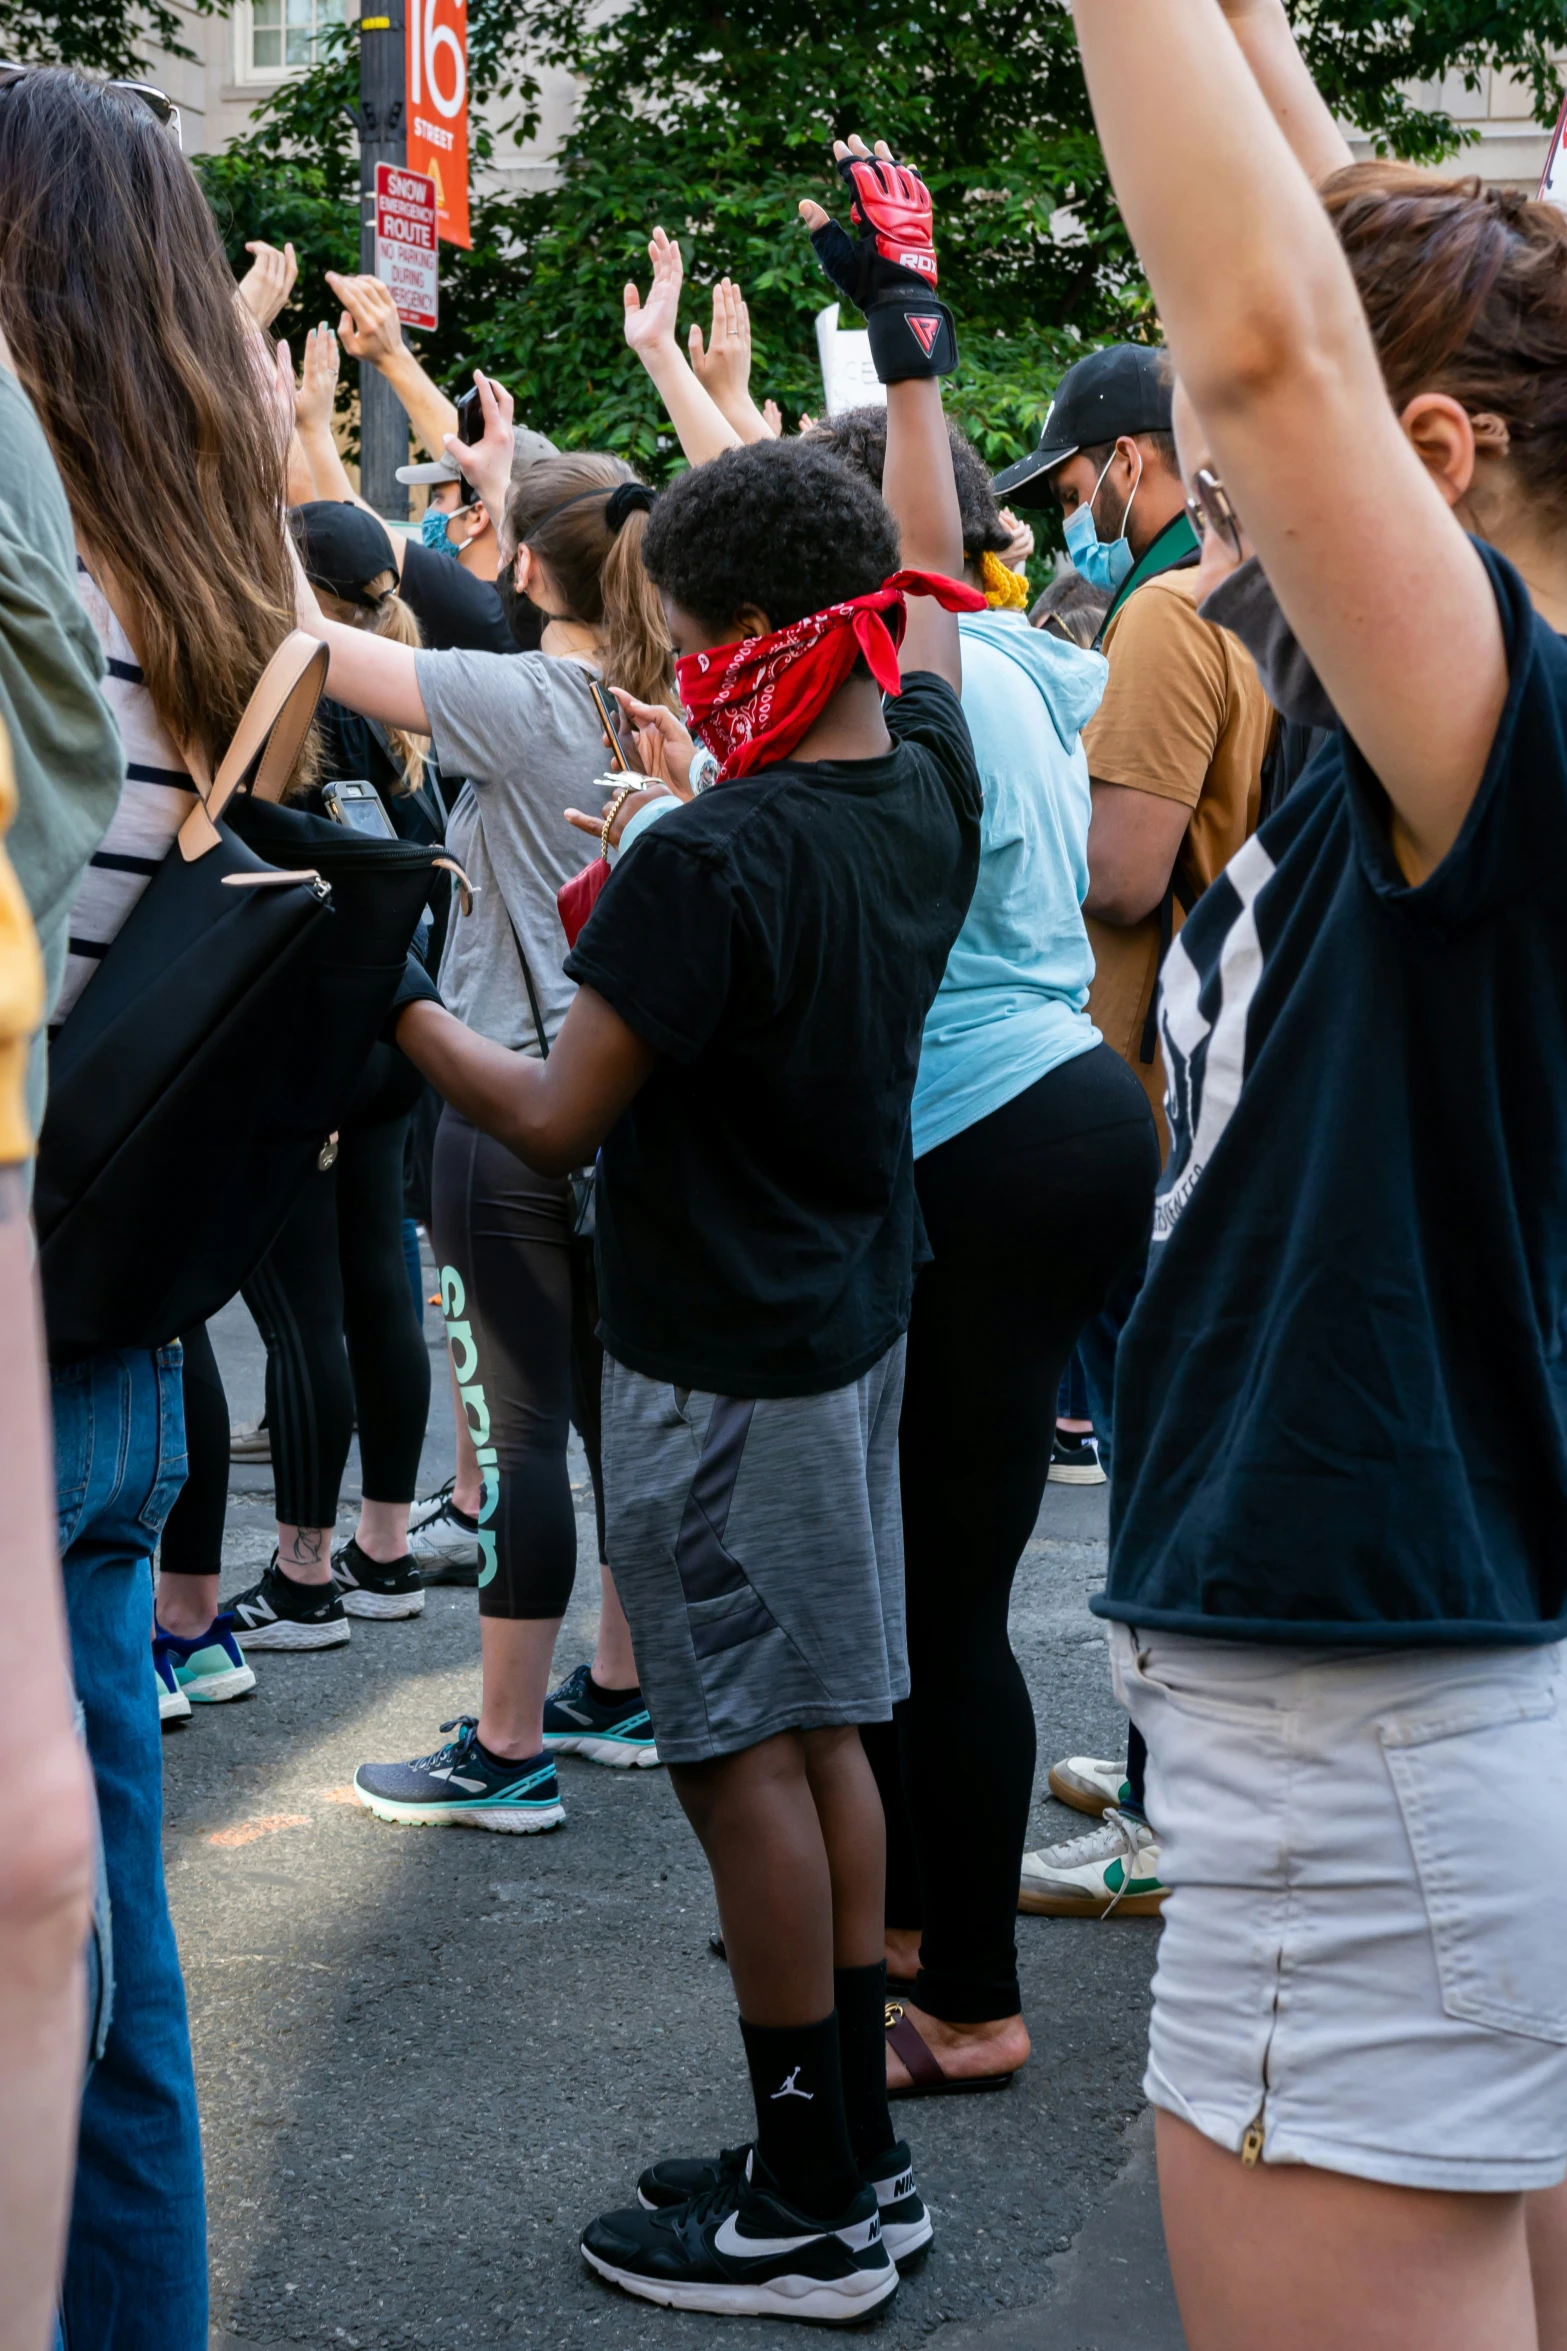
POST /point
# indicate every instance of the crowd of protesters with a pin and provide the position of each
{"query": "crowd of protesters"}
(986, 1044)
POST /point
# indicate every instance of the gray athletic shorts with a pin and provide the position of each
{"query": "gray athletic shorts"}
(757, 1547)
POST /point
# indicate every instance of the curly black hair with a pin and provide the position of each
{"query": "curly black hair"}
(858, 437)
(781, 525)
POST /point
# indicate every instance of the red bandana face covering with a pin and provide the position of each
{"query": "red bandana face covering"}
(751, 703)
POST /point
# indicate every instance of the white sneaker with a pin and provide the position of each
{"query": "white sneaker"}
(443, 1542)
(1089, 1783)
(1115, 1868)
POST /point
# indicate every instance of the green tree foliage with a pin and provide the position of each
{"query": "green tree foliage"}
(715, 119)
(103, 36)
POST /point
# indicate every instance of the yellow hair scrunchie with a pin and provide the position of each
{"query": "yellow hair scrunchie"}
(1005, 590)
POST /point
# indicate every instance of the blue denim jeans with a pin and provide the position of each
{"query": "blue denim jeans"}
(136, 2259)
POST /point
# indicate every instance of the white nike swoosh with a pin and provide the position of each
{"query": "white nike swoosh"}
(727, 2239)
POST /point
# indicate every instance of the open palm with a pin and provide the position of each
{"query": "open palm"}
(653, 321)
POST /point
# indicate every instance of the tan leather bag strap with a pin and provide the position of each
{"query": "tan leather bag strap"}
(267, 740)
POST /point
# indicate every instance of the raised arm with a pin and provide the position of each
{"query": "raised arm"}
(723, 367)
(371, 329)
(1298, 107)
(891, 274)
(313, 405)
(1354, 529)
(702, 430)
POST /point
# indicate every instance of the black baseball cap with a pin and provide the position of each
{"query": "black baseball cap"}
(342, 547)
(1125, 389)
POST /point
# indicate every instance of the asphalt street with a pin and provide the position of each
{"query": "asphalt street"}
(425, 2059)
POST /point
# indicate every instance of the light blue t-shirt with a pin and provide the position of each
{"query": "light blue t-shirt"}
(1012, 1004)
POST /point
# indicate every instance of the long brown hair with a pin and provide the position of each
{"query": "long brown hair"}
(120, 309)
(597, 570)
(1465, 288)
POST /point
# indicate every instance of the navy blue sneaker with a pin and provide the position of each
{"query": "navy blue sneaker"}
(617, 1731)
(463, 1787)
(739, 2249)
(906, 2227)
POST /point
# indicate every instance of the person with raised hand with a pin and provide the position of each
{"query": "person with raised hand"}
(723, 367)
(1336, 1588)
(371, 331)
(741, 1054)
(703, 429)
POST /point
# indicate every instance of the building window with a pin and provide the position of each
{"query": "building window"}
(280, 37)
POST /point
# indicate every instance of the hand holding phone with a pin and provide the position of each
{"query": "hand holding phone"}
(624, 757)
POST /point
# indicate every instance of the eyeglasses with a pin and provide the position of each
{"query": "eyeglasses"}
(157, 102)
(1209, 509)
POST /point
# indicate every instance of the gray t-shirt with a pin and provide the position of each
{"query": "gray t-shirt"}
(523, 729)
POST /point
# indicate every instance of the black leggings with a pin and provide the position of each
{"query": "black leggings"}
(1031, 1212)
(193, 1532)
(336, 1271)
(519, 1318)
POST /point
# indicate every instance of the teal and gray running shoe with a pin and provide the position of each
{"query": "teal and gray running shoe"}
(462, 1786)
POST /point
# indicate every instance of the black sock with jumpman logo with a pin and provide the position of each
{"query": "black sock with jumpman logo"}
(802, 2135)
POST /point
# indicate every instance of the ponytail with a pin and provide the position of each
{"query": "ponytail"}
(399, 622)
(596, 563)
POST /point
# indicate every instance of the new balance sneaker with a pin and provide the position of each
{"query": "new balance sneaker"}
(1090, 1783)
(443, 1541)
(277, 1613)
(1074, 1460)
(738, 2249)
(461, 1786)
(617, 1731)
(372, 1587)
(173, 1705)
(208, 1669)
(905, 2223)
(1114, 1869)
(251, 1444)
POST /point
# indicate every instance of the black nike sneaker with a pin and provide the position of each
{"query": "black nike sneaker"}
(905, 2221)
(738, 2249)
(617, 1731)
(374, 1587)
(277, 1613)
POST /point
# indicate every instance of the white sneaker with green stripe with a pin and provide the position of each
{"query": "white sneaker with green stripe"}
(1112, 1872)
(1089, 1783)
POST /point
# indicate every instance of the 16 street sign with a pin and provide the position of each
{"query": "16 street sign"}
(407, 248)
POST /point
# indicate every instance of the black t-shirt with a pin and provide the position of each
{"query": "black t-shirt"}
(779, 941)
(457, 612)
(1341, 1402)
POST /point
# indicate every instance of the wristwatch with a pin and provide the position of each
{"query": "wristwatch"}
(704, 767)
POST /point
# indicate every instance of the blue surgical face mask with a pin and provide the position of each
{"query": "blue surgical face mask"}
(435, 535)
(1104, 564)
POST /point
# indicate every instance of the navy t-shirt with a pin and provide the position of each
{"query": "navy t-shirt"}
(1341, 1402)
(779, 941)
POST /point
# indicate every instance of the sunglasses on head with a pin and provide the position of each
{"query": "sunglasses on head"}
(1209, 509)
(157, 102)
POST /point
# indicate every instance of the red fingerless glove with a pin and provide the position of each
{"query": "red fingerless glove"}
(889, 271)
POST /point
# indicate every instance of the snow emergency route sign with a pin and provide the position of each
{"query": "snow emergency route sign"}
(407, 247)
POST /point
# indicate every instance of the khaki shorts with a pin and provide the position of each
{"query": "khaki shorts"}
(1364, 1952)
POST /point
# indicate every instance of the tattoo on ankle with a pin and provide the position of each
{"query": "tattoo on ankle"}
(305, 1549)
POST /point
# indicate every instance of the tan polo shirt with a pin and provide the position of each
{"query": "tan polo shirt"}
(1184, 717)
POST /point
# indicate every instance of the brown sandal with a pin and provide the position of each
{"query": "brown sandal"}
(928, 2077)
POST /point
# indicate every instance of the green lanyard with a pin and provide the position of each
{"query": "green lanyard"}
(1175, 545)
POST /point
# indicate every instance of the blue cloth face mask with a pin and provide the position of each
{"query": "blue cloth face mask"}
(434, 533)
(1104, 564)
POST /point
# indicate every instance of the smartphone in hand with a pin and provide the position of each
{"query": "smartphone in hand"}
(623, 754)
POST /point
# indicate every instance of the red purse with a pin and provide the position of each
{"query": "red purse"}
(576, 899)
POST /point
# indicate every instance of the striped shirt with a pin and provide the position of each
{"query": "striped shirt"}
(157, 798)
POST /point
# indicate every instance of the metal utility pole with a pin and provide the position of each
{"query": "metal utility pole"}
(383, 138)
